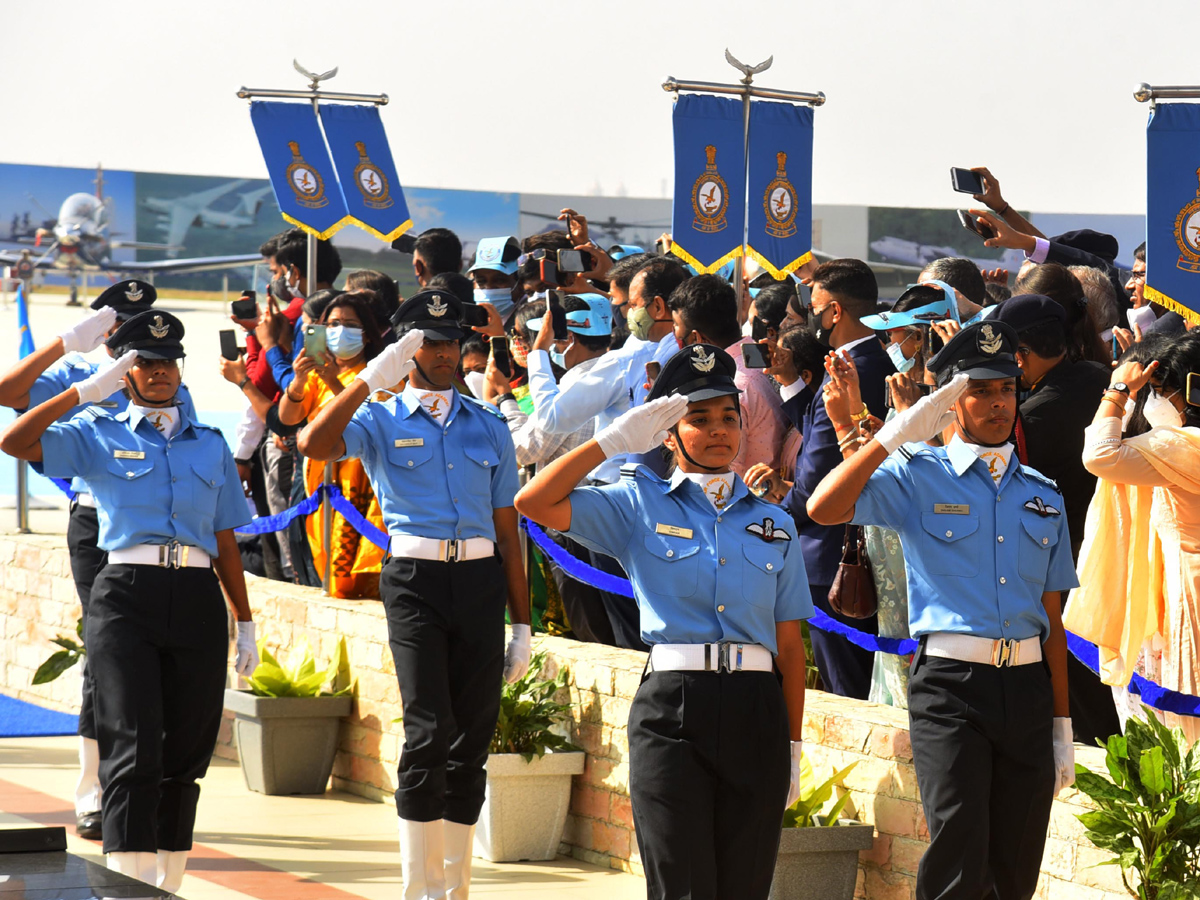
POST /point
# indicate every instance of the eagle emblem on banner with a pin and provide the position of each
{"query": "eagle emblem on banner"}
(779, 201)
(305, 181)
(710, 196)
(371, 181)
(1187, 234)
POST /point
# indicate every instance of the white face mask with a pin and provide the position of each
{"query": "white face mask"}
(748, 328)
(1160, 413)
(1143, 317)
(475, 381)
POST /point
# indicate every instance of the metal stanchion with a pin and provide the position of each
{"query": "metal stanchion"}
(22, 496)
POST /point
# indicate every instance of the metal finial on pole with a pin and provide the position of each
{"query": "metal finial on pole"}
(315, 83)
(748, 72)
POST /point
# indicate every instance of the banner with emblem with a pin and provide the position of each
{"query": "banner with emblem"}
(370, 186)
(302, 174)
(1173, 208)
(708, 217)
(780, 186)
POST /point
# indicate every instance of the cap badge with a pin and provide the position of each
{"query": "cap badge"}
(488, 253)
(437, 308)
(704, 362)
(158, 330)
(134, 293)
(989, 341)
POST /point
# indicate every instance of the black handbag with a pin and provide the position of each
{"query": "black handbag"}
(852, 593)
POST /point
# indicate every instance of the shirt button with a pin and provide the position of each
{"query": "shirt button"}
(670, 553)
(722, 560)
(449, 465)
(1045, 540)
(770, 566)
(485, 462)
(1006, 623)
(718, 518)
(949, 534)
(1000, 539)
(410, 462)
(173, 480)
(721, 608)
(173, 516)
(456, 500)
(1002, 580)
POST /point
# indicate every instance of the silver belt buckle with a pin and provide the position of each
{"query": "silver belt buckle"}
(724, 652)
(1005, 653)
(173, 555)
(451, 551)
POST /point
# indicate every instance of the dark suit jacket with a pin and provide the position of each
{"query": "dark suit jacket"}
(1169, 323)
(1054, 416)
(819, 455)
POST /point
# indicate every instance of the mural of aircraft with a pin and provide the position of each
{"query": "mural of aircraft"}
(179, 214)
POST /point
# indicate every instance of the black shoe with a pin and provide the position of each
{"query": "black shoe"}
(87, 825)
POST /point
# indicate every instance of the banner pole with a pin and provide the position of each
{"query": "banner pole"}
(326, 526)
(22, 496)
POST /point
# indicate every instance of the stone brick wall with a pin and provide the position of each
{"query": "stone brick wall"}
(38, 601)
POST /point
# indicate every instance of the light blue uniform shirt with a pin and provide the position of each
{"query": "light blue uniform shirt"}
(612, 386)
(978, 556)
(433, 479)
(699, 575)
(68, 372)
(149, 489)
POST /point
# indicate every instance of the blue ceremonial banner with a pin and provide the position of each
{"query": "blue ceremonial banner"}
(302, 174)
(27, 345)
(370, 186)
(780, 180)
(1173, 208)
(708, 218)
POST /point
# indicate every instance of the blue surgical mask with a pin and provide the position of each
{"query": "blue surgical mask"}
(501, 298)
(560, 358)
(343, 341)
(899, 360)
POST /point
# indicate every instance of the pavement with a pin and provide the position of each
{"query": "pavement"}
(331, 847)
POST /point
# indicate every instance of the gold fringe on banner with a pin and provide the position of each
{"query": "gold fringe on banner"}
(319, 235)
(779, 274)
(1190, 315)
(386, 238)
(700, 268)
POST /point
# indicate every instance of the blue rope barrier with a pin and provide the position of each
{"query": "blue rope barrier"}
(356, 519)
(281, 520)
(1152, 694)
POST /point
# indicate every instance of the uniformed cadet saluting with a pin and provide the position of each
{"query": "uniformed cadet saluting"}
(445, 472)
(720, 585)
(168, 498)
(44, 374)
(987, 555)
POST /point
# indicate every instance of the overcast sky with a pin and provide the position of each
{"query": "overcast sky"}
(560, 97)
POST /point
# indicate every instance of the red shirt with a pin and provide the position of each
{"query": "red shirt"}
(258, 370)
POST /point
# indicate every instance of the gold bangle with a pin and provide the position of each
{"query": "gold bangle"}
(861, 414)
(1111, 399)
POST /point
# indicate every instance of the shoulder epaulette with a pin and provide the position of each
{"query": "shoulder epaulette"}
(96, 412)
(484, 406)
(1038, 476)
(630, 471)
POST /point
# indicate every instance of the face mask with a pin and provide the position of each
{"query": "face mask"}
(640, 322)
(475, 381)
(817, 330)
(560, 359)
(902, 363)
(748, 328)
(344, 342)
(1160, 413)
(1143, 317)
(294, 288)
(501, 298)
(520, 352)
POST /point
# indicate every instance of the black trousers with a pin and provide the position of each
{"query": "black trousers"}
(845, 669)
(709, 762)
(446, 630)
(87, 559)
(982, 741)
(158, 643)
(581, 602)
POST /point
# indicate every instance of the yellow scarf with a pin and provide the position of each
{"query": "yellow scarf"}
(1119, 603)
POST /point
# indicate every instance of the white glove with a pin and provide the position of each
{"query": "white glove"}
(925, 418)
(516, 656)
(87, 333)
(1064, 753)
(105, 381)
(392, 366)
(247, 650)
(794, 787)
(642, 428)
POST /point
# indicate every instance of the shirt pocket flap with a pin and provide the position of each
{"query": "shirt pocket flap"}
(1043, 531)
(763, 557)
(130, 469)
(670, 550)
(485, 457)
(214, 478)
(410, 457)
(947, 527)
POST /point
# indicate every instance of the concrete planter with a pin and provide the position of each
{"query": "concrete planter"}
(286, 744)
(819, 863)
(526, 806)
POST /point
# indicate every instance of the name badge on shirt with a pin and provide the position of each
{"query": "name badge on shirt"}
(673, 530)
(409, 442)
(128, 454)
(952, 509)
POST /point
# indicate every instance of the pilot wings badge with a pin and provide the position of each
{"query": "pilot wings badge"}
(767, 531)
(437, 308)
(704, 362)
(989, 342)
(158, 330)
(1038, 505)
(133, 293)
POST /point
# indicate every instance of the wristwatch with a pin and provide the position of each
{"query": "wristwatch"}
(1120, 387)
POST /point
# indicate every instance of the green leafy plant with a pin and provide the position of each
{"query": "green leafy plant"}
(528, 712)
(806, 811)
(1149, 815)
(302, 678)
(58, 662)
